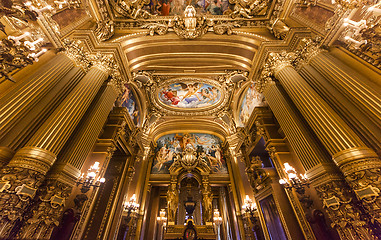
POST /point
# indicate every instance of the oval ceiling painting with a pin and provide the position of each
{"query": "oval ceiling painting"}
(189, 95)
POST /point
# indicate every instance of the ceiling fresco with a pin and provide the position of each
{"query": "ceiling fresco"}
(189, 95)
(129, 101)
(250, 100)
(170, 147)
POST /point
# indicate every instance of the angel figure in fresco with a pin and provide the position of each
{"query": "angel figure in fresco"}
(126, 95)
(189, 141)
(171, 96)
(192, 90)
(202, 140)
(185, 141)
(164, 155)
(206, 94)
(214, 91)
(175, 144)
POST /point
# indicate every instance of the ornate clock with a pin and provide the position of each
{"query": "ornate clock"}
(190, 234)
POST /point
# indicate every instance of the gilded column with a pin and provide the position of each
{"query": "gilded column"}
(21, 131)
(358, 163)
(355, 87)
(310, 153)
(317, 163)
(15, 104)
(27, 169)
(67, 168)
(346, 91)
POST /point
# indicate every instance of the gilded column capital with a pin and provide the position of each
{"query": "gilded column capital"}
(117, 81)
(104, 62)
(309, 49)
(74, 50)
(274, 64)
(277, 61)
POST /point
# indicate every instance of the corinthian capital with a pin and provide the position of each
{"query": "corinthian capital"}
(309, 49)
(274, 64)
(74, 50)
(277, 61)
(117, 81)
(104, 62)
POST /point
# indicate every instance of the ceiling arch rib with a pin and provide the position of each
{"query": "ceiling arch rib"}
(210, 53)
(197, 125)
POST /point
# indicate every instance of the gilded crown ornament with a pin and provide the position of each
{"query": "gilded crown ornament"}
(190, 26)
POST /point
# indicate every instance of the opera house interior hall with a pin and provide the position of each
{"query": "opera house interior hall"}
(190, 120)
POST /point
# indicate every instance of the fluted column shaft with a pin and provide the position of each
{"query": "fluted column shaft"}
(67, 169)
(86, 135)
(362, 124)
(15, 104)
(358, 163)
(23, 130)
(57, 129)
(355, 87)
(34, 160)
(302, 141)
(320, 170)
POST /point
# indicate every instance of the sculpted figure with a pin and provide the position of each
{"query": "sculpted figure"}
(105, 30)
(207, 199)
(173, 201)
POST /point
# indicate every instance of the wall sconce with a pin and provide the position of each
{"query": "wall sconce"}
(162, 219)
(293, 181)
(249, 206)
(217, 219)
(131, 206)
(89, 181)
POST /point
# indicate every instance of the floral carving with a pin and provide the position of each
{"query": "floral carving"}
(343, 210)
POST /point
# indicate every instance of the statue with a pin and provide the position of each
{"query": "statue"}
(279, 29)
(207, 199)
(172, 201)
(105, 30)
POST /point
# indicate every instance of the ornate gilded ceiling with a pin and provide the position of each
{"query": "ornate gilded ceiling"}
(192, 64)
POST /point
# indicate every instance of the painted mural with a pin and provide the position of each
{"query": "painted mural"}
(129, 101)
(177, 7)
(190, 95)
(251, 100)
(206, 145)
